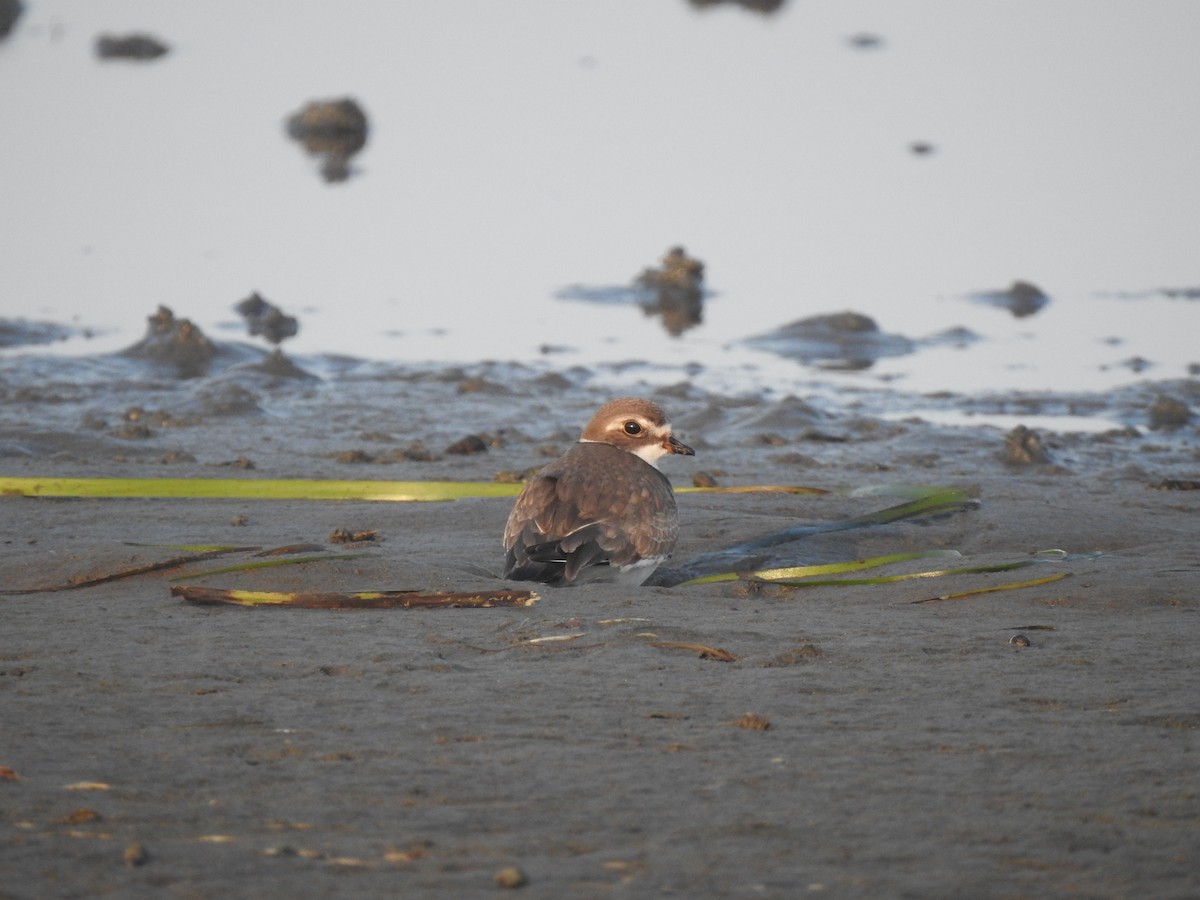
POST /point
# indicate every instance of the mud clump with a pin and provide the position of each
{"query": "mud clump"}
(352, 536)
(137, 47)
(765, 7)
(1023, 447)
(265, 319)
(510, 878)
(277, 365)
(225, 401)
(10, 11)
(753, 722)
(465, 446)
(1168, 413)
(1021, 299)
(865, 40)
(334, 130)
(175, 343)
(675, 291)
(1178, 484)
(846, 341)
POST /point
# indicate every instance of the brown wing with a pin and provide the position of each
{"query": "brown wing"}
(566, 520)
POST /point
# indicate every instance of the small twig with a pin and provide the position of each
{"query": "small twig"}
(146, 568)
(706, 652)
(1058, 576)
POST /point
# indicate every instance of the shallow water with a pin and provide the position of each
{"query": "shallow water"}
(518, 151)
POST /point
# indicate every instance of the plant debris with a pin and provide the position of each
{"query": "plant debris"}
(398, 599)
(706, 652)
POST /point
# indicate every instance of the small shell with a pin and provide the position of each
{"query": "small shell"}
(511, 877)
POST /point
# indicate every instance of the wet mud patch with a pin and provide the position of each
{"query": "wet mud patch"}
(603, 724)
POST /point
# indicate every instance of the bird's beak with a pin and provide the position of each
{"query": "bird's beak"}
(671, 445)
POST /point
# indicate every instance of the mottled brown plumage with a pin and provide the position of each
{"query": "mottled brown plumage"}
(602, 511)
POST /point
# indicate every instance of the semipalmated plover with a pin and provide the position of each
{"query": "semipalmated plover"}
(602, 511)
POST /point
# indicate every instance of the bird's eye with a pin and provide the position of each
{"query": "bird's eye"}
(632, 427)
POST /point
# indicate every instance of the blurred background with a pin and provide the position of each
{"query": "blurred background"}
(526, 161)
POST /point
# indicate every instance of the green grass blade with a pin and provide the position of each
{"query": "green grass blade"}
(928, 501)
(1011, 586)
(784, 576)
(196, 548)
(907, 576)
(755, 489)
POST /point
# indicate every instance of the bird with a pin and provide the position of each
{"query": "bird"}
(602, 511)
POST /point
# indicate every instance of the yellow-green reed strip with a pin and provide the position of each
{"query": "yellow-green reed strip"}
(285, 598)
(1057, 576)
(196, 548)
(298, 489)
(910, 491)
(275, 597)
(267, 564)
(825, 568)
(854, 566)
(254, 488)
(908, 576)
(754, 489)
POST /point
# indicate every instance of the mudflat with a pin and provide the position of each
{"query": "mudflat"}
(846, 741)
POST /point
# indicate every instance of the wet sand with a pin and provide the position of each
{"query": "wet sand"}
(912, 749)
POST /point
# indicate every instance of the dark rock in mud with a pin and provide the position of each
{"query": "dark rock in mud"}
(843, 341)
(1184, 293)
(953, 337)
(1021, 299)
(19, 333)
(1136, 364)
(266, 319)
(472, 443)
(417, 451)
(276, 365)
(766, 7)
(10, 11)
(864, 40)
(1168, 413)
(354, 457)
(224, 400)
(175, 343)
(553, 382)
(334, 130)
(139, 47)
(675, 291)
(1023, 447)
(478, 385)
(790, 414)
(1178, 484)
(133, 431)
(352, 536)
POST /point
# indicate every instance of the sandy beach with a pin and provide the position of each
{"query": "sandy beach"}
(156, 748)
